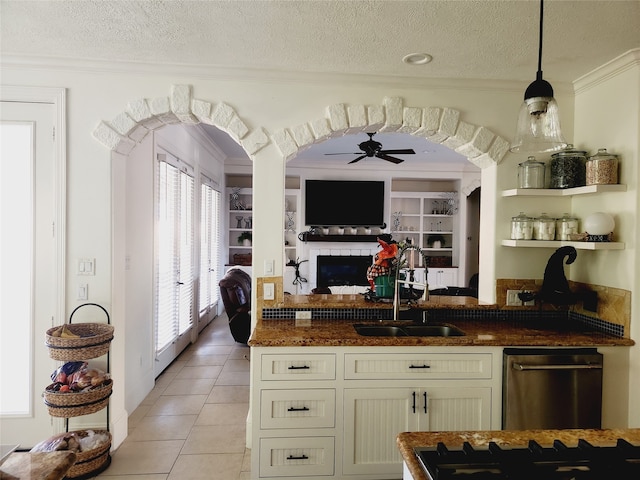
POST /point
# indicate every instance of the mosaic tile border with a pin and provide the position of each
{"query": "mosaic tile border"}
(442, 315)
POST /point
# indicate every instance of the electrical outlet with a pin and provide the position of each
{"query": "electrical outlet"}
(512, 298)
(303, 315)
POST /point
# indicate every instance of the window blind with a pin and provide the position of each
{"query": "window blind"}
(174, 259)
(209, 244)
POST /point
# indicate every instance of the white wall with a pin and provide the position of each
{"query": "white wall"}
(607, 116)
(97, 94)
(194, 149)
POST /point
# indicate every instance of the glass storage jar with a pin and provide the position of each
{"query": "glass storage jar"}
(602, 168)
(544, 228)
(566, 226)
(531, 174)
(567, 168)
(521, 227)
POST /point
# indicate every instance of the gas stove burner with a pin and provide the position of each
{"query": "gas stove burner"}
(557, 462)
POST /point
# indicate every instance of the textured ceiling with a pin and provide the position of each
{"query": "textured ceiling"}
(483, 40)
(468, 39)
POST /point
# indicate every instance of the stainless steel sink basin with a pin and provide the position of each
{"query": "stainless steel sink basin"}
(433, 331)
(380, 331)
(408, 331)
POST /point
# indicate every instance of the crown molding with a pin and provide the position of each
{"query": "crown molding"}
(618, 65)
(267, 76)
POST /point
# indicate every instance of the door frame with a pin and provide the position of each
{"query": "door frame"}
(57, 98)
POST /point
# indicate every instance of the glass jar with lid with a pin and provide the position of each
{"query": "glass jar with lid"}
(521, 227)
(602, 168)
(567, 168)
(566, 226)
(544, 228)
(531, 174)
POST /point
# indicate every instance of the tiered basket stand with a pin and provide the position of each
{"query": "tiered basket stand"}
(94, 341)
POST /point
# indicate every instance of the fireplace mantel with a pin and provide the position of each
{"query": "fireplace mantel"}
(341, 238)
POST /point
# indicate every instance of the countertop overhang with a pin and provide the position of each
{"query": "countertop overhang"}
(407, 441)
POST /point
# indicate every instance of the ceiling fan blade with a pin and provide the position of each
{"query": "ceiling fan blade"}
(358, 159)
(406, 151)
(344, 153)
(388, 158)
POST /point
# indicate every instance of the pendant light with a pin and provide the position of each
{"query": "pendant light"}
(538, 127)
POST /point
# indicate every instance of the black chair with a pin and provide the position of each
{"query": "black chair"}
(235, 290)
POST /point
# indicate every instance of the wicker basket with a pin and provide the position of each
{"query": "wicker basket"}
(74, 404)
(242, 259)
(91, 461)
(94, 341)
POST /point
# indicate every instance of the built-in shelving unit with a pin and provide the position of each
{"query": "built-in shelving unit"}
(424, 217)
(240, 220)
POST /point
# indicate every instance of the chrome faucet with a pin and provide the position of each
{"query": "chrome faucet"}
(396, 284)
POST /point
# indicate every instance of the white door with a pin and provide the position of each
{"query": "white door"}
(27, 273)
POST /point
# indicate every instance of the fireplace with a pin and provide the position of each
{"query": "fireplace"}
(335, 270)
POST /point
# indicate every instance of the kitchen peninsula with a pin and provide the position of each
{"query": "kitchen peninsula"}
(328, 401)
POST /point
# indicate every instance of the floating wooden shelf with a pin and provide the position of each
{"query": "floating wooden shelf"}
(562, 243)
(562, 192)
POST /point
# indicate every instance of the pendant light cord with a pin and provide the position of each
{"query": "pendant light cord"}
(539, 74)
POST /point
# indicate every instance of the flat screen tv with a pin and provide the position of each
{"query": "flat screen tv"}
(348, 203)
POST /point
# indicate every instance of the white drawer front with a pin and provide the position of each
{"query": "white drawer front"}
(417, 366)
(313, 408)
(297, 456)
(299, 367)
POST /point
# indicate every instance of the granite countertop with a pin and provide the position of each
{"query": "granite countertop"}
(324, 333)
(408, 440)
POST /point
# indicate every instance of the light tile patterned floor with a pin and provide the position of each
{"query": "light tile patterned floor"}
(192, 426)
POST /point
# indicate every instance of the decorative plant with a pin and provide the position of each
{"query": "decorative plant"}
(244, 236)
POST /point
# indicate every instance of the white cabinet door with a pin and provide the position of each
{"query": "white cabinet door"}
(375, 416)
(372, 419)
(443, 277)
(455, 408)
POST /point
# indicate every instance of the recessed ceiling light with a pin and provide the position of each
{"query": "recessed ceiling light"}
(417, 58)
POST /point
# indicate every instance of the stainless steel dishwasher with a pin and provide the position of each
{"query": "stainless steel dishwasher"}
(548, 388)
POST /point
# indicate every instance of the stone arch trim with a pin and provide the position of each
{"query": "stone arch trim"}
(437, 124)
(142, 116)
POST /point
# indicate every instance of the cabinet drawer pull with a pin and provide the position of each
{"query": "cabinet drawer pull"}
(304, 367)
(301, 457)
(296, 409)
(414, 402)
(425, 402)
(419, 366)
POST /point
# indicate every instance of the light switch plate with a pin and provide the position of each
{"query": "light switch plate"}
(268, 291)
(86, 266)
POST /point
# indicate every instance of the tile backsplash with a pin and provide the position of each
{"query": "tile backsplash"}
(613, 311)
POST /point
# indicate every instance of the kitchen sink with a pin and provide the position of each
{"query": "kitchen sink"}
(380, 331)
(433, 331)
(408, 331)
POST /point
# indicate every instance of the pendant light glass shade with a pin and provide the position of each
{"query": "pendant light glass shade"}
(538, 128)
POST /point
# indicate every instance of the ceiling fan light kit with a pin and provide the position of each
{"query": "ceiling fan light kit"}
(371, 148)
(538, 129)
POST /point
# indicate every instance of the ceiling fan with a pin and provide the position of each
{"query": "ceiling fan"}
(371, 148)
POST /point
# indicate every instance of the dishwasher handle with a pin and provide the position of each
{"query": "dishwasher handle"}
(577, 366)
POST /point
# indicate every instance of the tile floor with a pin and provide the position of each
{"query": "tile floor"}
(191, 426)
